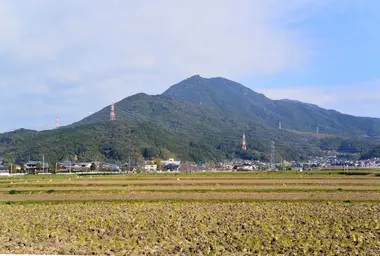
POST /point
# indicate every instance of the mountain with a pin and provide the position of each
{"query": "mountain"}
(197, 119)
(120, 140)
(102, 141)
(228, 96)
(155, 126)
(202, 125)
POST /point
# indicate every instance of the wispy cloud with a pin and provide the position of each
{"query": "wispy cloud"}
(357, 99)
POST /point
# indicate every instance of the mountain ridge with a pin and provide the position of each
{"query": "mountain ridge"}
(226, 95)
(194, 121)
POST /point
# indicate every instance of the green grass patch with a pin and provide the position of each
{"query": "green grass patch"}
(13, 192)
(356, 173)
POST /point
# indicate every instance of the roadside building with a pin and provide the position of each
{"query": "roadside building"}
(110, 167)
(4, 170)
(68, 166)
(36, 166)
(171, 164)
(150, 167)
(85, 165)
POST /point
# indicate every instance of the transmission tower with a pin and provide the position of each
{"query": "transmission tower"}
(244, 144)
(57, 122)
(272, 153)
(112, 114)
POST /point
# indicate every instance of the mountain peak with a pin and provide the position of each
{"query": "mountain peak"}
(218, 93)
(195, 77)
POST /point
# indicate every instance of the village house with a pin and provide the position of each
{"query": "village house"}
(4, 170)
(36, 166)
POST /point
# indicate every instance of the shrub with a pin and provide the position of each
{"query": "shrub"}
(12, 192)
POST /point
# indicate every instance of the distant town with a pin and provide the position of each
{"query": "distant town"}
(171, 165)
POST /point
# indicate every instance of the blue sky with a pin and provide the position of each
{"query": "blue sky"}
(71, 58)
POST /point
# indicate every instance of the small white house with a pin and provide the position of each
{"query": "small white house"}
(171, 161)
(4, 170)
(85, 165)
(150, 167)
(171, 164)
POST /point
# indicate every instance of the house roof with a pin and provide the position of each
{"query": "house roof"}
(33, 162)
(4, 168)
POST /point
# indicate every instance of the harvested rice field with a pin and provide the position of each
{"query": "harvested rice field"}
(192, 228)
(191, 214)
(201, 186)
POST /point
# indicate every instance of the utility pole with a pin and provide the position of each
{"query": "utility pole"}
(43, 163)
(129, 163)
(272, 153)
(280, 125)
(318, 129)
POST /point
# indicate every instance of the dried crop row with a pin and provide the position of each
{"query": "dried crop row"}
(231, 187)
(373, 181)
(182, 190)
(191, 228)
(141, 195)
(196, 176)
(143, 186)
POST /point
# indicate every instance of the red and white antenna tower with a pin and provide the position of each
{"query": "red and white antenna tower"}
(112, 115)
(244, 144)
(57, 122)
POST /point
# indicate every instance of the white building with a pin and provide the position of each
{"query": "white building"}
(150, 167)
(171, 164)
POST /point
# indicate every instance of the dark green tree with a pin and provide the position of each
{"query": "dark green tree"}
(93, 167)
(38, 166)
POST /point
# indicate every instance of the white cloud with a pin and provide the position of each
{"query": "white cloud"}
(356, 99)
(111, 49)
(310, 94)
(369, 90)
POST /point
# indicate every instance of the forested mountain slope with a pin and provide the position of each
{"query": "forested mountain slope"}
(199, 120)
(228, 96)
